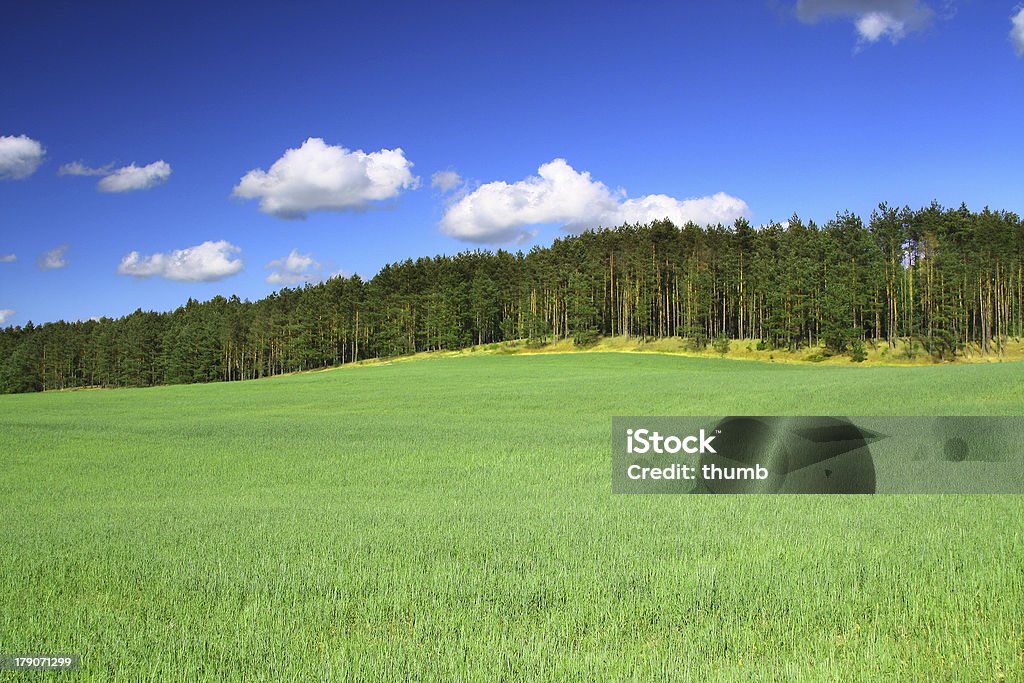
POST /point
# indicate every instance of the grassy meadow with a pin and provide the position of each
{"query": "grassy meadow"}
(452, 519)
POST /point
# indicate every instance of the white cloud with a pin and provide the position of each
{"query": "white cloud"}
(6, 313)
(294, 269)
(499, 211)
(322, 177)
(1017, 32)
(20, 156)
(132, 177)
(53, 259)
(710, 210)
(204, 262)
(874, 25)
(79, 168)
(873, 19)
(446, 181)
(8, 258)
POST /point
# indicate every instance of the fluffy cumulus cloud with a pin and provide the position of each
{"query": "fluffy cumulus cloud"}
(1017, 32)
(53, 259)
(294, 269)
(132, 177)
(502, 212)
(874, 25)
(445, 181)
(6, 313)
(204, 262)
(322, 177)
(20, 156)
(873, 19)
(8, 258)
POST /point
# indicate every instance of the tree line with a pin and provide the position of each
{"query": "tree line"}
(936, 280)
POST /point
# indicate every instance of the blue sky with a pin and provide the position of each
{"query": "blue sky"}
(547, 117)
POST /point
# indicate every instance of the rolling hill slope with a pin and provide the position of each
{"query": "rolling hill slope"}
(454, 518)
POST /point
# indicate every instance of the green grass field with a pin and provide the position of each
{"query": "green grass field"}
(453, 519)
